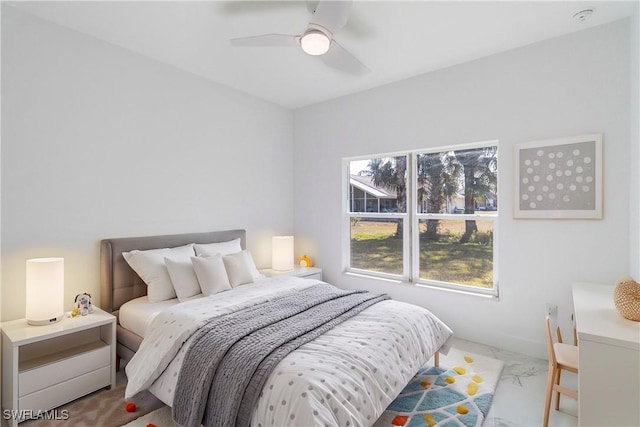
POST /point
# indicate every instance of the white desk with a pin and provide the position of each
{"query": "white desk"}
(609, 359)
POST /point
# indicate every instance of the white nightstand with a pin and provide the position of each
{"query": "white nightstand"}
(44, 367)
(308, 272)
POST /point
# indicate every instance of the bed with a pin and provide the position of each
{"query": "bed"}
(342, 372)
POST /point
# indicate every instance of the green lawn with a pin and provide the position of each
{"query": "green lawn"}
(373, 247)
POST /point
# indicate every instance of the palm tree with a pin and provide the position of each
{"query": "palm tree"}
(392, 175)
(438, 179)
(479, 166)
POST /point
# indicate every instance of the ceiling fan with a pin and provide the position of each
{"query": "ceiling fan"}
(317, 40)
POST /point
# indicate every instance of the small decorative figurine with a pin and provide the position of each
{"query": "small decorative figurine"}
(305, 261)
(83, 305)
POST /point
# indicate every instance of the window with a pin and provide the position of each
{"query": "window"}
(427, 217)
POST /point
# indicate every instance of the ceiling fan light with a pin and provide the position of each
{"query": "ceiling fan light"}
(315, 42)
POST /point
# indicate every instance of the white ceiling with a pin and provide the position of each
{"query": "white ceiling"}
(395, 39)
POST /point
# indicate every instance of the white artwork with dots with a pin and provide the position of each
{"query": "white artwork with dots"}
(559, 180)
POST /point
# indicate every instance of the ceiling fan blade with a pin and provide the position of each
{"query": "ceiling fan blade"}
(339, 58)
(331, 15)
(266, 40)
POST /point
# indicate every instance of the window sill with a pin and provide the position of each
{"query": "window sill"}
(488, 297)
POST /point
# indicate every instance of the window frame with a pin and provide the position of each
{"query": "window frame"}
(411, 222)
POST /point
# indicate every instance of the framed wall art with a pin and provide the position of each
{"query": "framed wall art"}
(559, 178)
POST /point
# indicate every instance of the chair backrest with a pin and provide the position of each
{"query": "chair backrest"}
(575, 332)
(550, 352)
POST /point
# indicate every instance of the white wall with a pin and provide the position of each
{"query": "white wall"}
(99, 142)
(567, 86)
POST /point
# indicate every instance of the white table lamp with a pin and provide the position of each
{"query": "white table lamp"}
(45, 290)
(282, 253)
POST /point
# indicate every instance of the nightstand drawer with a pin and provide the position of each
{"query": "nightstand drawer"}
(317, 276)
(64, 365)
(66, 391)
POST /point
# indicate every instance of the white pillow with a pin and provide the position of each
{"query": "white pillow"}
(184, 279)
(211, 274)
(252, 266)
(238, 269)
(224, 248)
(152, 270)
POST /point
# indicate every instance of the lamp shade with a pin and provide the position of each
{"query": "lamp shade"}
(45, 290)
(282, 253)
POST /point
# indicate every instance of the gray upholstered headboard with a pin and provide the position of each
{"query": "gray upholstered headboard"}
(119, 283)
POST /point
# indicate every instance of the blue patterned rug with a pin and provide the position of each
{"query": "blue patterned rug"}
(458, 393)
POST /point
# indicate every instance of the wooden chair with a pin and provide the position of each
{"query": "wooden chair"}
(561, 356)
(575, 332)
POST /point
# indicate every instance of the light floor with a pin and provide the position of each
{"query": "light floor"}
(520, 395)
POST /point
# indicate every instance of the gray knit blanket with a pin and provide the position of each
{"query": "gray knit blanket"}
(232, 356)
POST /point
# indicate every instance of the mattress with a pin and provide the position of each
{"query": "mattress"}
(136, 315)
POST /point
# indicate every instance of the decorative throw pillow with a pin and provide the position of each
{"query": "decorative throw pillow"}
(211, 274)
(223, 248)
(238, 270)
(152, 270)
(252, 266)
(184, 279)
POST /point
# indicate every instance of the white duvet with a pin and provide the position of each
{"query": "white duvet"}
(347, 377)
